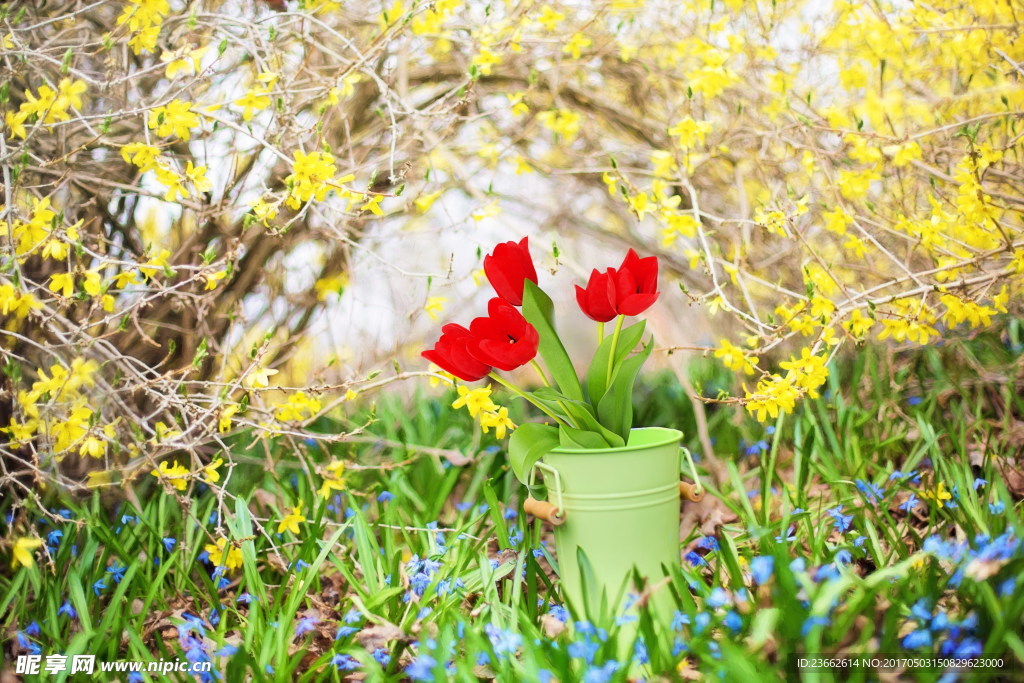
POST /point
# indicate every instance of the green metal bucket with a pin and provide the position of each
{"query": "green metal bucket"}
(621, 509)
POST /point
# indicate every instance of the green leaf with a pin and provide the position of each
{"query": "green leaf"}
(580, 413)
(529, 443)
(597, 376)
(615, 411)
(539, 312)
(570, 437)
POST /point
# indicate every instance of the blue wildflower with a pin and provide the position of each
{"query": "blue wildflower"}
(382, 656)
(640, 655)
(68, 610)
(914, 400)
(842, 522)
(544, 676)
(169, 543)
(915, 639)
(602, 675)
(98, 586)
(695, 560)
(873, 492)
(708, 543)
(559, 612)
(343, 662)
(421, 668)
(246, 598)
(345, 632)
(733, 620)
(226, 651)
(679, 619)
(1006, 587)
(32, 629)
(116, 572)
(503, 642)
(305, 625)
(584, 650)
(843, 556)
(53, 538)
(718, 598)
(761, 569)
(701, 622)
(678, 647)
(910, 503)
(509, 513)
(385, 496)
(997, 508)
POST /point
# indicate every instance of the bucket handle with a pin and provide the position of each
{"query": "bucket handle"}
(541, 508)
(692, 492)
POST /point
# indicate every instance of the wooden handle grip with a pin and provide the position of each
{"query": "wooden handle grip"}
(690, 492)
(541, 509)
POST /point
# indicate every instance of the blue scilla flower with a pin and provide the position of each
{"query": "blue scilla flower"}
(559, 612)
(873, 492)
(640, 655)
(98, 587)
(757, 447)
(421, 668)
(305, 625)
(842, 522)
(169, 543)
(1006, 587)
(910, 503)
(226, 650)
(68, 610)
(53, 538)
(733, 621)
(602, 674)
(584, 650)
(679, 619)
(718, 598)
(695, 560)
(997, 508)
(701, 621)
(915, 639)
(761, 569)
(385, 496)
(343, 662)
(509, 513)
(708, 543)
(382, 656)
(116, 572)
(843, 556)
(504, 642)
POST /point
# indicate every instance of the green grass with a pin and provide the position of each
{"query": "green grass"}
(950, 414)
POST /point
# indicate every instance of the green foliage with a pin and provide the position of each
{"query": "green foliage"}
(361, 555)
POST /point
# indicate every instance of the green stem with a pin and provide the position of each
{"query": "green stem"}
(600, 333)
(615, 343)
(522, 394)
(540, 371)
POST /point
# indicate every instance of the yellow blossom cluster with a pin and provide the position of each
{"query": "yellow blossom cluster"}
(480, 406)
(46, 105)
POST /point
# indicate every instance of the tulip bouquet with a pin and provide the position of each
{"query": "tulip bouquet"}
(593, 414)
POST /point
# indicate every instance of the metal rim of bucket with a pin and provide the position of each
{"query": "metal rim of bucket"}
(671, 436)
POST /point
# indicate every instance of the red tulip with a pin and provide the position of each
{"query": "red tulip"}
(451, 354)
(597, 301)
(508, 267)
(503, 339)
(636, 284)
